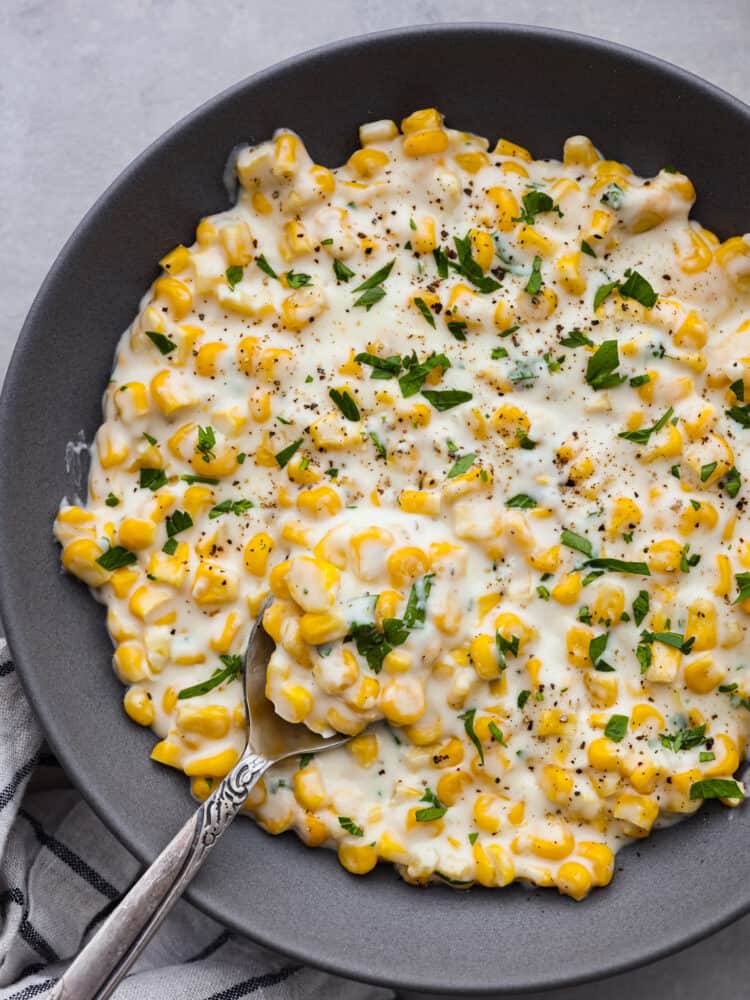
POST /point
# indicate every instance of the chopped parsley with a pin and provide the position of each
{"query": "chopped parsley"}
(283, 456)
(152, 479)
(576, 339)
(163, 344)
(447, 398)
(232, 670)
(461, 465)
(535, 203)
(643, 434)
(600, 370)
(206, 443)
(522, 501)
(342, 272)
(616, 728)
(348, 824)
(716, 788)
(587, 248)
(575, 541)
(345, 403)
(684, 738)
(534, 284)
(266, 267)
(116, 557)
(230, 507)
(425, 310)
(112, 500)
(234, 275)
(641, 606)
(297, 279)
(468, 720)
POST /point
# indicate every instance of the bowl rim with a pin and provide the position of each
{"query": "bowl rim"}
(351, 968)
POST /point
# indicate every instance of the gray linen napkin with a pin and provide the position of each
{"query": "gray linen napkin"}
(61, 871)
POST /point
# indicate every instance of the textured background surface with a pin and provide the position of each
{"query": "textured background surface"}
(67, 66)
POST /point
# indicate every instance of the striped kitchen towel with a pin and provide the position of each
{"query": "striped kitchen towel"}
(61, 871)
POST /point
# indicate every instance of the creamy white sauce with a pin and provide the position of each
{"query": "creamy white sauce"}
(512, 744)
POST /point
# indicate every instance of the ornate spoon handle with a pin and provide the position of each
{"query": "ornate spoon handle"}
(124, 934)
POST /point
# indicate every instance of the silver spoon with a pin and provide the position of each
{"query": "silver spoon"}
(104, 961)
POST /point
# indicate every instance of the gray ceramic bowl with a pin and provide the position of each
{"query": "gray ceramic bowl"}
(537, 86)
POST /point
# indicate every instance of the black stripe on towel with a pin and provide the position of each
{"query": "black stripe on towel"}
(34, 990)
(249, 986)
(211, 948)
(73, 860)
(6, 795)
(26, 929)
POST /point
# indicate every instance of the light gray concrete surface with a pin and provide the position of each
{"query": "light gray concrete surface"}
(67, 66)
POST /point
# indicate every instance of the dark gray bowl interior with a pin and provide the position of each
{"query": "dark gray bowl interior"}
(537, 87)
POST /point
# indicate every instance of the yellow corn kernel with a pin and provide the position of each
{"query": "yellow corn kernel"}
(664, 556)
(214, 584)
(321, 501)
(298, 702)
(237, 241)
(79, 558)
(701, 625)
(146, 602)
(608, 604)
(482, 248)
(601, 859)
(205, 233)
(402, 700)
(692, 333)
(577, 642)
(171, 392)
(391, 849)
(579, 151)
(303, 307)
(210, 721)
(602, 688)
(309, 789)
(472, 162)
(603, 755)
(207, 357)
(419, 502)
(425, 143)
(483, 651)
(216, 766)
(359, 859)
(556, 846)
(724, 571)
(637, 810)
(139, 707)
(556, 722)
(286, 149)
(178, 295)
(545, 560)
(131, 400)
(256, 553)
(691, 519)
(450, 786)
(506, 148)
(450, 754)
(670, 447)
(136, 533)
(407, 564)
(312, 583)
(574, 880)
(665, 663)
(425, 118)
(261, 204)
(556, 784)
(567, 589)
(507, 208)
(379, 131)
(569, 275)
(176, 260)
(511, 423)
(364, 749)
(703, 675)
(486, 813)
(167, 753)
(201, 788)
(130, 662)
(221, 641)
(423, 239)
(321, 627)
(645, 714)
